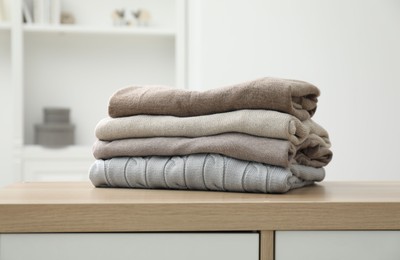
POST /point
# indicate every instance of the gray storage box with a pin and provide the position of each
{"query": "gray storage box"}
(54, 135)
(56, 115)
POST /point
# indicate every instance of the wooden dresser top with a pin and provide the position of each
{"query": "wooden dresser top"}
(79, 207)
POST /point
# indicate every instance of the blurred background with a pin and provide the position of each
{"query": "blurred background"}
(75, 54)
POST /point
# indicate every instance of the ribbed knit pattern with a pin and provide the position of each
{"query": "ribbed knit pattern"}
(200, 172)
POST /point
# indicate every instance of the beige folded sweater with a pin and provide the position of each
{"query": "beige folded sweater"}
(318, 133)
(264, 123)
(295, 97)
(236, 145)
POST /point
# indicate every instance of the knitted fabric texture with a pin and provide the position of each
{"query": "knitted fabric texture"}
(236, 145)
(264, 123)
(200, 172)
(294, 97)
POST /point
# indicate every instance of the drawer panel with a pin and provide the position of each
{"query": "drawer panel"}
(333, 245)
(106, 246)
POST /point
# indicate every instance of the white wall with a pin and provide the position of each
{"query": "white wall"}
(350, 49)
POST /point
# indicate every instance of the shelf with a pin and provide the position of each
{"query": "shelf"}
(77, 29)
(5, 27)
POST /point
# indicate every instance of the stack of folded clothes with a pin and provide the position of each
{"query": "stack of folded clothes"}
(255, 136)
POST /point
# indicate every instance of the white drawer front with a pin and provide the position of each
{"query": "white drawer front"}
(115, 246)
(334, 245)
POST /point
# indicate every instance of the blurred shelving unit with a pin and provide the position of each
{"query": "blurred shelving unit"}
(79, 66)
(72, 29)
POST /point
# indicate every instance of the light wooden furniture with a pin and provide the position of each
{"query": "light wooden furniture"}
(78, 207)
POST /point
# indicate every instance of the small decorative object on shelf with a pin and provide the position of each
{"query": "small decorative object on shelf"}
(5, 10)
(41, 11)
(56, 131)
(142, 16)
(123, 17)
(118, 17)
(26, 13)
(67, 18)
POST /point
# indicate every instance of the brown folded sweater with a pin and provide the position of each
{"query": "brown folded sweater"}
(236, 145)
(313, 152)
(294, 97)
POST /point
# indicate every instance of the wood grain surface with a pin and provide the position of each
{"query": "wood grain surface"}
(79, 207)
(267, 245)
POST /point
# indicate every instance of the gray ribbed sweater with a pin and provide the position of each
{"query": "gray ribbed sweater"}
(200, 172)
